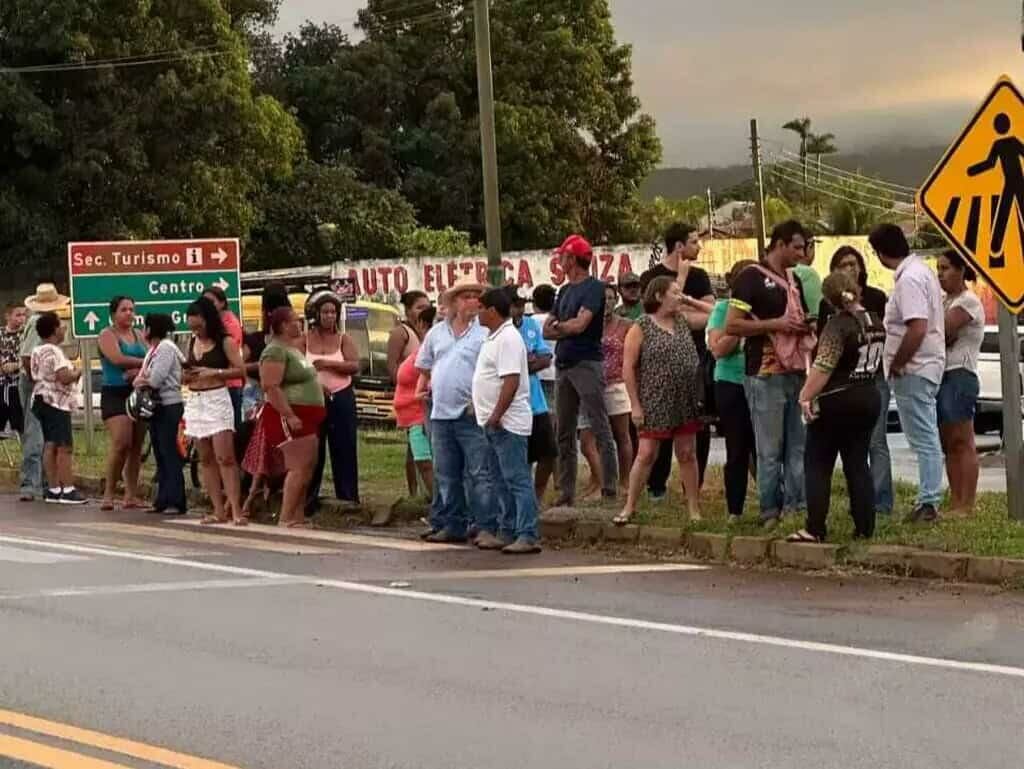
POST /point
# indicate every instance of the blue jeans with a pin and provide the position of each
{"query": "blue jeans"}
(780, 436)
(31, 443)
(878, 455)
(513, 484)
(461, 455)
(170, 477)
(915, 399)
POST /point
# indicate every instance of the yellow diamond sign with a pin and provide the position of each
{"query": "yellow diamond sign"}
(975, 195)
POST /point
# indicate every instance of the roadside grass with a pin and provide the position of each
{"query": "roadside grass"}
(989, 532)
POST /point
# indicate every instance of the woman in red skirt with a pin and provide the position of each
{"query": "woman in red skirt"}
(294, 409)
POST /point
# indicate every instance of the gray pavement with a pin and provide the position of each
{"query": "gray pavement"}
(375, 652)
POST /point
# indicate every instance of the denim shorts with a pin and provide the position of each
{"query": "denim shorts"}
(958, 396)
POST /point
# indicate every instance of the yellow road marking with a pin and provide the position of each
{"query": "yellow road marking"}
(250, 543)
(48, 757)
(61, 759)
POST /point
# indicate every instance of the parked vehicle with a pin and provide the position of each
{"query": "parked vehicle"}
(989, 417)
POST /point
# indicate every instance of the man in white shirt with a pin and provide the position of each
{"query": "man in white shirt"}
(501, 400)
(915, 358)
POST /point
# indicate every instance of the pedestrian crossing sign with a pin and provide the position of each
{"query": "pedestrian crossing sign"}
(975, 196)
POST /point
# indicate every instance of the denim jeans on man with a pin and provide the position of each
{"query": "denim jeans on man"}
(170, 475)
(461, 455)
(581, 387)
(915, 399)
(780, 436)
(879, 459)
(31, 444)
(513, 485)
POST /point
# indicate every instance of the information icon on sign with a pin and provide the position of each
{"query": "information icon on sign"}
(194, 257)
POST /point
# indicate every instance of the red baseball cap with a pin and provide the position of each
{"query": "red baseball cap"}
(577, 246)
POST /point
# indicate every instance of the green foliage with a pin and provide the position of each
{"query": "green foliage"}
(657, 215)
(177, 149)
(424, 241)
(401, 108)
(323, 214)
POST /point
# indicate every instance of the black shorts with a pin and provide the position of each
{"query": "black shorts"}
(10, 409)
(56, 423)
(542, 443)
(114, 401)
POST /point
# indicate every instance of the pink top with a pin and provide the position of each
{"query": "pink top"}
(330, 380)
(234, 330)
(613, 345)
(408, 409)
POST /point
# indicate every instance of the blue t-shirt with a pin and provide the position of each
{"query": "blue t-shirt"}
(451, 361)
(533, 338)
(571, 299)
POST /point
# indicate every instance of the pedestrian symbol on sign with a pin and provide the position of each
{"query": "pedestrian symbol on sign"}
(194, 257)
(1007, 152)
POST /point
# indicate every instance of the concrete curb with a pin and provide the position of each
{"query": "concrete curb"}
(565, 525)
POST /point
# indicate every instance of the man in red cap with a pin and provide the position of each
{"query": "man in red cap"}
(577, 325)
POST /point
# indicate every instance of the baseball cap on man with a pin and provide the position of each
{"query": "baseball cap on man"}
(577, 246)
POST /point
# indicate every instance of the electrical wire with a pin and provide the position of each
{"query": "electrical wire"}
(831, 176)
(795, 180)
(842, 185)
(852, 174)
(113, 63)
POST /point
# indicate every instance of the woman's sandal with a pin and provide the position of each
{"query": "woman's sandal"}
(622, 519)
(212, 520)
(107, 507)
(803, 537)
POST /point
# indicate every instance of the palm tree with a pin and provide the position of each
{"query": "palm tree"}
(801, 126)
(821, 144)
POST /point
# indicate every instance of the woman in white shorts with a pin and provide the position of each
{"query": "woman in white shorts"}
(616, 400)
(214, 359)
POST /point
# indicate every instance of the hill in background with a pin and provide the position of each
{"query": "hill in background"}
(903, 165)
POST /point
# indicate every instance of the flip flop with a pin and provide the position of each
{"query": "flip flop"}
(622, 519)
(211, 520)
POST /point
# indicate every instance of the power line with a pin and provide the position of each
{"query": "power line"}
(775, 169)
(852, 174)
(120, 63)
(874, 193)
(860, 181)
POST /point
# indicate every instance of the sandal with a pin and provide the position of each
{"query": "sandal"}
(804, 537)
(212, 520)
(107, 507)
(622, 519)
(243, 521)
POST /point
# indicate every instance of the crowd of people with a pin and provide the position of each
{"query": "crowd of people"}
(795, 372)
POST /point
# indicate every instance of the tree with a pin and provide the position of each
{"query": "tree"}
(821, 144)
(401, 107)
(323, 214)
(659, 214)
(177, 148)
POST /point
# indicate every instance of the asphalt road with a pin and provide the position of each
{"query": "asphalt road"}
(252, 649)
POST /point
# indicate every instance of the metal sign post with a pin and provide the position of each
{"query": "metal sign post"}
(1013, 430)
(90, 416)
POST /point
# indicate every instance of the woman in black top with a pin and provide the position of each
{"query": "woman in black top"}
(849, 259)
(840, 404)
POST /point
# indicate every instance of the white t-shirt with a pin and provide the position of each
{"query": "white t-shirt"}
(503, 354)
(547, 374)
(963, 353)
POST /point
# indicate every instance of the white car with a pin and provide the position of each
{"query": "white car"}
(989, 417)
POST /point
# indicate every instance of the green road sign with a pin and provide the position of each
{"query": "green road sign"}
(161, 276)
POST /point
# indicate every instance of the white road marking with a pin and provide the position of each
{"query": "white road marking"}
(153, 587)
(564, 614)
(19, 555)
(113, 543)
(365, 540)
(249, 543)
(564, 571)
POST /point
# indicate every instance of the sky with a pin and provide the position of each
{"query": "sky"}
(873, 72)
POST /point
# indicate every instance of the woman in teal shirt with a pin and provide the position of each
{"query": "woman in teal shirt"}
(734, 414)
(122, 350)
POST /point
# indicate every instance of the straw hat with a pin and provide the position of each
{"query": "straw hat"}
(463, 285)
(46, 299)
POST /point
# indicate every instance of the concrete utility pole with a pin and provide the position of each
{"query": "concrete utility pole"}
(755, 154)
(488, 140)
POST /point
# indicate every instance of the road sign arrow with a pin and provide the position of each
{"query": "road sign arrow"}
(222, 284)
(220, 255)
(91, 320)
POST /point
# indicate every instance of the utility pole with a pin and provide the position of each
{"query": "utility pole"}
(488, 140)
(711, 216)
(755, 155)
(1013, 430)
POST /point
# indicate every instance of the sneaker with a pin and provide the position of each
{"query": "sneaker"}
(922, 513)
(73, 497)
(734, 520)
(522, 546)
(445, 537)
(487, 541)
(657, 496)
(51, 498)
